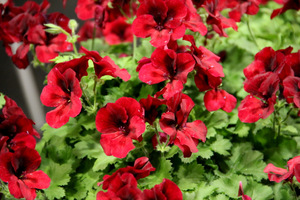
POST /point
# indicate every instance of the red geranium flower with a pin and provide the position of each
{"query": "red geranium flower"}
(217, 98)
(287, 4)
(240, 7)
(18, 170)
(167, 65)
(162, 20)
(105, 66)
(291, 90)
(86, 9)
(150, 106)
(166, 190)
(14, 121)
(63, 92)
(20, 140)
(119, 123)
(118, 31)
(279, 174)
(124, 186)
(184, 134)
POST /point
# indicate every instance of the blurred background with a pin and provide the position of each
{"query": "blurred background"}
(25, 86)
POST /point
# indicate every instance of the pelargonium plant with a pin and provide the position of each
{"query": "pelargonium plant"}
(155, 99)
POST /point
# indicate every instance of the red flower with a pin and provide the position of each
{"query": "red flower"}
(162, 20)
(252, 109)
(86, 9)
(105, 66)
(141, 169)
(241, 192)
(291, 90)
(63, 92)
(218, 22)
(119, 123)
(288, 4)
(167, 65)
(217, 98)
(166, 190)
(14, 121)
(279, 174)
(209, 71)
(124, 186)
(87, 29)
(184, 134)
(18, 169)
(118, 31)
(20, 140)
(240, 7)
(150, 106)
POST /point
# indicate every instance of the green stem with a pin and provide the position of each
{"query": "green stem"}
(287, 115)
(94, 36)
(85, 95)
(134, 46)
(75, 48)
(251, 33)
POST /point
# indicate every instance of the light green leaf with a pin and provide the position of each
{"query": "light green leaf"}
(103, 161)
(163, 170)
(219, 119)
(258, 191)
(55, 192)
(2, 100)
(87, 147)
(189, 176)
(221, 145)
(229, 185)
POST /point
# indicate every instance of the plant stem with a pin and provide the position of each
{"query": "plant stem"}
(251, 33)
(94, 36)
(85, 95)
(134, 47)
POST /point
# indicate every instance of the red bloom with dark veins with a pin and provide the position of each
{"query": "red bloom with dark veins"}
(218, 22)
(167, 65)
(240, 7)
(166, 190)
(184, 134)
(219, 99)
(120, 123)
(287, 5)
(162, 20)
(279, 174)
(124, 186)
(141, 169)
(63, 92)
(105, 66)
(14, 121)
(118, 31)
(267, 60)
(20, 140)
(150, 106)
(18, 169)
(291, 90)
(85, 9)
(252, 109)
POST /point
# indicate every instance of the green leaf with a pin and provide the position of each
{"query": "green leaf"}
(204, 190)
(88, 147)
(229, 185)
(221, 145)
(103, 161)
(2, 100)
(219, 119)
(246, 161)
(258, 191)
(189, 176)
(87, 121)
(59, 174)
(204, 151)
(163, 170)
(283, 191)
(55, 192)
(241, 129)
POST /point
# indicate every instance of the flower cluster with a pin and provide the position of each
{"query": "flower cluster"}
(279, 174)
(25, 25)
(122, 184)
(272, 73)
(18, 158)
(63, 90)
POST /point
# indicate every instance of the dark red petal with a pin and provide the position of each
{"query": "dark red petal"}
(132, 106)
(25, 159)
(21, 140)
(14, 188)
(5, 166)
(110, 118)
(144, 26)
(53, 96)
